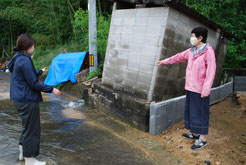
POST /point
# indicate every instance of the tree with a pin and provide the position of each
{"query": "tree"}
(230, 14)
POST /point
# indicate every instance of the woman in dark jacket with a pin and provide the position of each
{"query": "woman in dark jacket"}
(25, 91)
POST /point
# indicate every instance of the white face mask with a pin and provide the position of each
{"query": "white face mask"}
(193, 41)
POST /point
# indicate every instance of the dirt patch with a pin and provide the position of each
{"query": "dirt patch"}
(226, 138)
(241, 98)
(73, 114)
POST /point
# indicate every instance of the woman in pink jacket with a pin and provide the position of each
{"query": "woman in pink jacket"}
(200, 74)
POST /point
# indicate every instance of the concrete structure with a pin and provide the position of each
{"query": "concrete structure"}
(120, 105)
(140, 37)
(166, 113)
(240, 83)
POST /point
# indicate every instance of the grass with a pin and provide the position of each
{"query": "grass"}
(93, 74)
(130, 126)
(43, 58)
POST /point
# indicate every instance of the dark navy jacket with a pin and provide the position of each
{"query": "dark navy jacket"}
(24, 85)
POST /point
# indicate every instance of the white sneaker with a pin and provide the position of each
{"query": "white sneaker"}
(33, 161)
(21, 153)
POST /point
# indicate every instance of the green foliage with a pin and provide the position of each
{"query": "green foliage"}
(48, 20)
(103, 25)
(59, 86)
(63, 24)
(93, 74)
(231, 15)
(44, 41)
(43, 57)
(129, 126)
(236, 57)
(80, 24)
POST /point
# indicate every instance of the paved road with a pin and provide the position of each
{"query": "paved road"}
(73, 135)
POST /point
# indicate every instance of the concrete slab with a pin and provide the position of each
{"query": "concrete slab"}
(240, 83)
(215, 95)
(165, 114)
(226, 90)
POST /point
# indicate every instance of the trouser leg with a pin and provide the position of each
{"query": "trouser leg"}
(30, 136)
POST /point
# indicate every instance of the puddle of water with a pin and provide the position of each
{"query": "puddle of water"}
(65, 138)
(72, 134)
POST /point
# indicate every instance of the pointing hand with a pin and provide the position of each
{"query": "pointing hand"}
(159, 63)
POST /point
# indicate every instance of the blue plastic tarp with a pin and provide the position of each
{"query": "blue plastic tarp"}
(64, 67)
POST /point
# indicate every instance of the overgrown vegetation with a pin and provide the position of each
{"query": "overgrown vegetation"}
(80, 25)
(44, 57)
(230, 14)
(58, 26)
(62, 25)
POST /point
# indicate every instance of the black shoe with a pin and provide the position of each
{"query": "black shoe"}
(191, 136)
(198, 144)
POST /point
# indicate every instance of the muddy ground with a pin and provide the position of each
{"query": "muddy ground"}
(226, 138)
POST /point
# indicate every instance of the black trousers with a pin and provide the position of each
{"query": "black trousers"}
(30, 135)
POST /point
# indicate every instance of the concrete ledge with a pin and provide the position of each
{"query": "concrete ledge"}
(221, 92)
(215, 95)
(120, 105)
(226, 90)
(166, 113)
(240, 83)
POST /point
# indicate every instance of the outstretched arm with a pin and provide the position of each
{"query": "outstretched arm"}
(180, 57)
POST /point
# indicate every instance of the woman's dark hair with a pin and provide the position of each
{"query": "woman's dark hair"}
(24, 42)
(201, 31)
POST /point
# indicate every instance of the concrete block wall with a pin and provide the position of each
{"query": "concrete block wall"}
(215, 95)
(240, 83)
(166, 113)
(138, 38)
(226, 90)
(120, 105)
(177, 39)
(134, 44)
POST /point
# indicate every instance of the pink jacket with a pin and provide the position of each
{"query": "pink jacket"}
(200, 70)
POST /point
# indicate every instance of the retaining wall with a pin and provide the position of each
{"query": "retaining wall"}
(240, 83)
(166, 113)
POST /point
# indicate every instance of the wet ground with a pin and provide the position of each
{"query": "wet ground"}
(73, 135)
